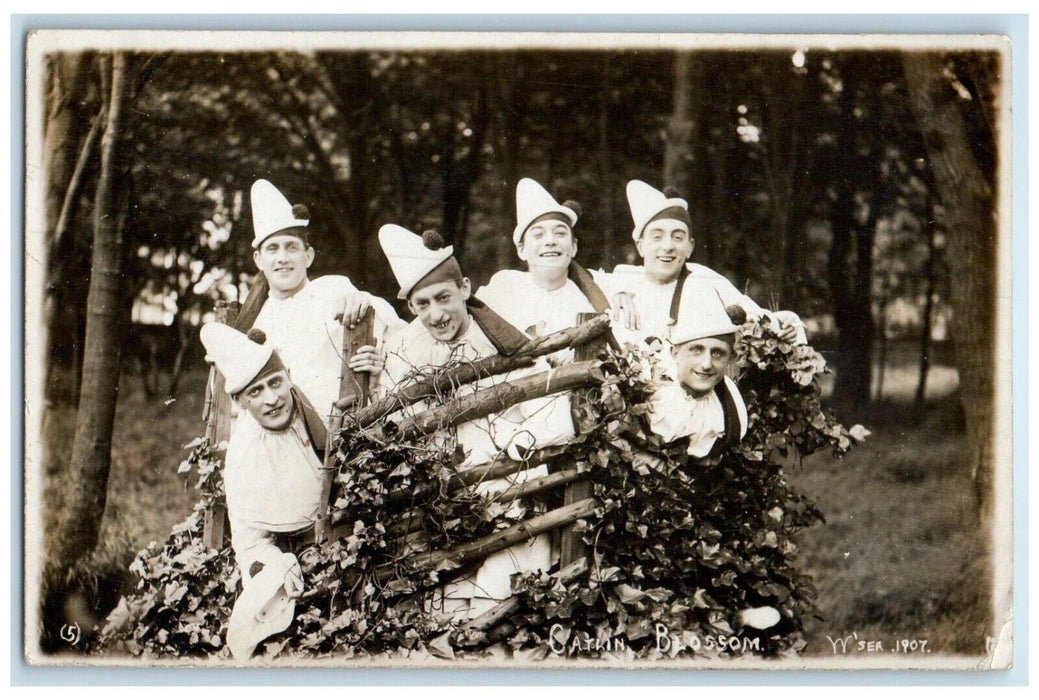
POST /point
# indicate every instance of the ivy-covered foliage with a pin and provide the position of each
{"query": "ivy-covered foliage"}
(678, 549)
(185, 591)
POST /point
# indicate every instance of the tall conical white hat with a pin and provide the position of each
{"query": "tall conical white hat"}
(238, 358)
(271, 212)
(701, 315)
(532, 201)
(409, 257)
(645, 202)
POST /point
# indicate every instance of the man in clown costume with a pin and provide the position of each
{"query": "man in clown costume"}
(272, 481)
(304, 318)
(554, 289)
(454, 326)
(649, 296)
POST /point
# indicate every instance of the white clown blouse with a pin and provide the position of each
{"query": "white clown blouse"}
(273, 483)
(676, 414)
(543, 422)
(518, 298)
(309, 339)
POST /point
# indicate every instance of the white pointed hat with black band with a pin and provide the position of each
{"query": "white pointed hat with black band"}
(532, 202)
(702, 315)
(410, 258)
(237, 357)
(645, 202)
(272, 212)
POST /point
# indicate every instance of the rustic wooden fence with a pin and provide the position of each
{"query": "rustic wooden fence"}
(356, 409)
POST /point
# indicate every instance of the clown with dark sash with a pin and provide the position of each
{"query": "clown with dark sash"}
(272, 481)
(648, 297)
(304, 318)
(701, 403)
(453, 326)
(554, 289)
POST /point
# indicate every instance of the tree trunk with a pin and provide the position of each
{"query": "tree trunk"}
(508, 69)
(787, 151)
(69, 151)
(91, 448)
(345, 81)
(882, 350)
(680, 147)
(850, 265)
(606, 188)
(460, 172)
(849, 281)
(928, 313)
(66, 122)
(967, 196)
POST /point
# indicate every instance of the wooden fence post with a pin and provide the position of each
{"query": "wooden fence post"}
(571, 546)
(217, 414)
(356, 384)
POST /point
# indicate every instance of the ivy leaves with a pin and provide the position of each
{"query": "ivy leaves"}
(677, 544)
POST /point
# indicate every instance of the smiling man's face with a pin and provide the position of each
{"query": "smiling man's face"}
(269, 400)
(665, 245)
(441, 309)
(702, 363)
(284, 259)
(547, 244)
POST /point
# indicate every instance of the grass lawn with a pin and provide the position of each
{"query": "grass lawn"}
(146, 496)
(901, 555)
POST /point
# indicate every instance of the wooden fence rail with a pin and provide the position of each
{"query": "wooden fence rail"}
(502, 610)
(217, 415)
(354, 387)
(571, 544)
(462, 374)
(411, 521)
(352, 410)
(482, 548)
(500, 397)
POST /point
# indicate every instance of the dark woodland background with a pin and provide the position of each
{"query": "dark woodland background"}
(856, 188)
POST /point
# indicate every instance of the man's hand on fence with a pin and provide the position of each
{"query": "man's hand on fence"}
(367, 359)
(353, 307)
(623, 311)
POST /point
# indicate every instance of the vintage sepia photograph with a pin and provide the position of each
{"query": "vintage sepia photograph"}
(503, 350)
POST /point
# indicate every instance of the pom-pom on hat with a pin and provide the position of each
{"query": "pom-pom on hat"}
(701, 315)
(273, 213)
(238, 358)
(646, 201)
(532, 202)
(413, 258)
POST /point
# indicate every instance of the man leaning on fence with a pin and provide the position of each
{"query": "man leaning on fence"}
(648, 297)
(304, 318)
(272, 481)
(452, 326)
(554, 289)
